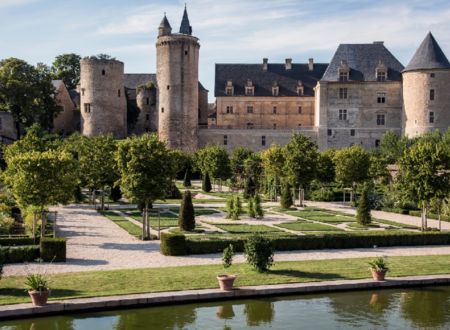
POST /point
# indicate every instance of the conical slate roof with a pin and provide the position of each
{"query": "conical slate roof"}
(165, 23)
(428, 56)
(185, 27)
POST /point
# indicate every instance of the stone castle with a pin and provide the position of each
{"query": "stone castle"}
(361, 94)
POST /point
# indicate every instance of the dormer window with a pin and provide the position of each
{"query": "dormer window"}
(229, 89)
(381, 72)
(344, 71)
(300, 88)
(275, 89)
(249, 88)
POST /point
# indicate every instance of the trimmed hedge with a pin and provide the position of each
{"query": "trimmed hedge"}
(430, 215)
(182, 245)
(53, 249)
(17, 241)
(173, 244)
(18, 254)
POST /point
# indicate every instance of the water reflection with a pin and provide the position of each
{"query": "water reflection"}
(379, 309)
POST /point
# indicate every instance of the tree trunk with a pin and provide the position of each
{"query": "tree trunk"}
(147, 221)
(103, 199)
(424, 216)
(143, 224)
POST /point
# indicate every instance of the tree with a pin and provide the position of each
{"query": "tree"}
(145, 171)
(96, 156)
(272, 160)
(352, 165)
(237, 159)
(186, 219)
(206, 183)
(213, 160)
(363, 210)
(392, 147)
(187, 177)
(27, 93)
(300, 164)
(252, 174)
(41, 179)
(326, 172)
(286, 196)
(67, 68)
(424, 173)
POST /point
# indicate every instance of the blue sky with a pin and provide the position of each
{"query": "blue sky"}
(230, 31)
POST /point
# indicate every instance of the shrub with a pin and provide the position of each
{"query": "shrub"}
(286, 197)
(6, 223)
(251, 208)
(186, 217)
(363, 210)
(258, 207)
(78, 195)
(174, 192)
(19, 254)
(249, 188)
(17, 241)
(187, 177)
(115, 194)
(206, 183)
(173, 244)
(227, 256)
(323, 194)
(234, 207)
(259, 253)
(53, 249)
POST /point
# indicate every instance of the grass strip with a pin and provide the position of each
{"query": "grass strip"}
(307, 226)
(242, 229)
(123, 223)
(119, 282)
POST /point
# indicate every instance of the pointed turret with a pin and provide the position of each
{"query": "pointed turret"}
(164, 28)
(185, 27)
(428, 56)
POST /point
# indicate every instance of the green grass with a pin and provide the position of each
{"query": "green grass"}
(358, 226)
(307, 226)
(330, 218)
(197, 230)
(198, 210)
(242, 229)
(123, 223)
(396, 224)
(119, 282)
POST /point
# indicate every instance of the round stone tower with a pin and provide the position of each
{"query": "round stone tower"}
(426, 84)
(148, 116)
(103, 103)
(177, 78)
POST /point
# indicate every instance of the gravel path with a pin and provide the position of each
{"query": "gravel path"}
(96, 243)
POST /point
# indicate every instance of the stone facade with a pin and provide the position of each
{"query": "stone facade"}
(66, 121)
(102, 98)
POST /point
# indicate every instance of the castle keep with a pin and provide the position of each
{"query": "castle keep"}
(356, 98)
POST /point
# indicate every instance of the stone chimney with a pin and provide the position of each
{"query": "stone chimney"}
(288, 64)
(311, 64)
(265, 64)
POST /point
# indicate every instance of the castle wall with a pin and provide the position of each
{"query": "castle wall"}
(102, 98)
(177, 77)
(418, 105)
(147, 120)
(362, 113)
(66, 120)
(250, 138)
(203, 107)
(290, 112)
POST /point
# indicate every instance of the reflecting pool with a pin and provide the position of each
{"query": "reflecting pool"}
(418, 308)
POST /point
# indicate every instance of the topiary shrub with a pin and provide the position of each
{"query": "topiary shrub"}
(206, 183)
(78, 195)
(259, 253)
(251, 208)
(286, 197)
(249, 188)
(187, 177)
(186, 217)
(258, 207)
(234, 207)
(53, 249)
(115, 194)
(173, 244)
(174, 192)
(363, 210)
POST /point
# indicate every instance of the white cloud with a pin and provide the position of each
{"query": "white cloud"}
(14, 3)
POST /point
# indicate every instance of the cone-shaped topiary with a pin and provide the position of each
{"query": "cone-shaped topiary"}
(249, 188)
(363, 210)
(187, 177)
(286, 197)
(115, 194)
(206, 183)
(186, 218)
(258, 207)
(251, 208)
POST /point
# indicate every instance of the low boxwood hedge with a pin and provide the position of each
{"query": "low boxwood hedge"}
(173, 244)
(53, 249)
(18, 254)
(18, 241)
(202, 245)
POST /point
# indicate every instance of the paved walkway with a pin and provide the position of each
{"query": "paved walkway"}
(96, 243)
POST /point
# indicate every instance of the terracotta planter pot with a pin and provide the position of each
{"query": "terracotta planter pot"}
(226, 281)
(39, 298)
(378, 275)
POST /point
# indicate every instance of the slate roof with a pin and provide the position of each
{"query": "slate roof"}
(133, 80)
(428, 56)
(185, 26)
(75, 96)
(263, 81)
(165, 23)
(363, 60)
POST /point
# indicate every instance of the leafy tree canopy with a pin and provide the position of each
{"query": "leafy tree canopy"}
(214, 160)
(67, 68)
(273, 161)
(352, 165)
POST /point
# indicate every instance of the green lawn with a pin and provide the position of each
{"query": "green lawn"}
(242, 229)
(117, 282)
(307, 226)
(358, 226)
(198, 210)
(123, 223)
(330, 218)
